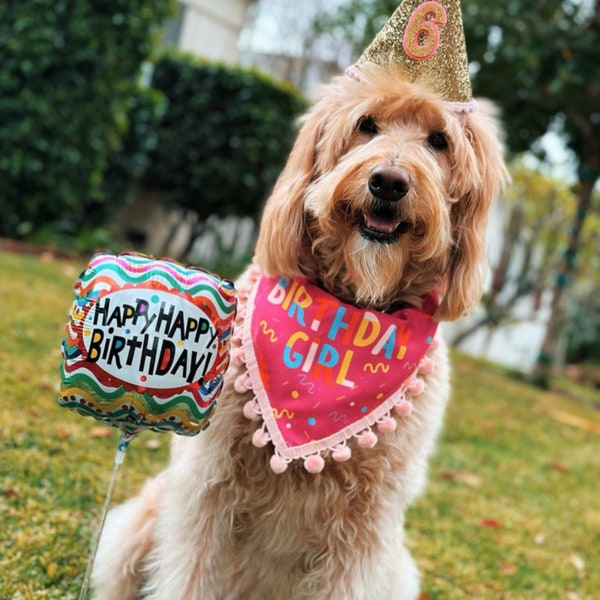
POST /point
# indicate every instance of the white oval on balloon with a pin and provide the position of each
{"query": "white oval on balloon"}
(149, 338)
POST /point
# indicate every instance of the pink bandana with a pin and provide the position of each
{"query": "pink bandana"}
(324, 371)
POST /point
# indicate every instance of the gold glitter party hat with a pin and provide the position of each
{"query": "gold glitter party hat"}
(426, 39)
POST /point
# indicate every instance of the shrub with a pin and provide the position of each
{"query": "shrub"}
(69, 72)
(223, 138)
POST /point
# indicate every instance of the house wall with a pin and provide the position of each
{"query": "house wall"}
(211, 29)
(513, 345)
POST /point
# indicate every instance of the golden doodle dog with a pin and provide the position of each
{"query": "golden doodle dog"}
(382, 206)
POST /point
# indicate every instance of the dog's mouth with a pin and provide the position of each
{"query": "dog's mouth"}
(382, 224)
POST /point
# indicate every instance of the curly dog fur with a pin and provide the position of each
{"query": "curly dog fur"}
(384, 197)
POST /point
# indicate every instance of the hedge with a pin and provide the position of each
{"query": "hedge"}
(223, 138)
(69, 72)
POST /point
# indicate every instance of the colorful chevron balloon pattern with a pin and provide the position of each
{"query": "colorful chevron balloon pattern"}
(147, 344)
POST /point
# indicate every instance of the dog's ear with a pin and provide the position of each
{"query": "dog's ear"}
(282, 228)
(486, 177)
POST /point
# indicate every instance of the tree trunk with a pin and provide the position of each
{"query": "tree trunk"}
(544, 364)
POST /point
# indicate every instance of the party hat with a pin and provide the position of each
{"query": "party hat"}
(427, 41)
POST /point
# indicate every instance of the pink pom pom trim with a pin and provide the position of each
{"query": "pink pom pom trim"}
(278, 464)
(367, 440)
(426, 366)
(241, 312)
(341, 453)
(238, 357)
(404, 409)
(387, 425)
(251, 411)
(243, 292)
(416, 387)
(314, 463)
(243, 383)
(260, 438)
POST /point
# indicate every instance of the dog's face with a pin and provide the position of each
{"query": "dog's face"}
(385, 197)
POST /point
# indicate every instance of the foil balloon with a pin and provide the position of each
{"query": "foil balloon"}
(146, 344)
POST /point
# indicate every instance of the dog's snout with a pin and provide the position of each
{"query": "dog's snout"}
(389, 183)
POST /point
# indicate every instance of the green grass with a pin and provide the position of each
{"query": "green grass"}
(513, 505)
(512, 509)
(54, 472)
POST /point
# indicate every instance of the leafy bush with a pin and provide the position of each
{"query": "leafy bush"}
(69, 72)
(132, 159)
(224, 136)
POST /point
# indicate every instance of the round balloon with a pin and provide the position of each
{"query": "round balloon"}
(147, 344)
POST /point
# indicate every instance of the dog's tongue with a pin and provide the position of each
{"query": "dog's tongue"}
(380, 223)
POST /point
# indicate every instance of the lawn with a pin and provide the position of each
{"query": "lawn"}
(512, 509)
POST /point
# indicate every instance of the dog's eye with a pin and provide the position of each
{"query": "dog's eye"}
(367, 125)
(437, 140)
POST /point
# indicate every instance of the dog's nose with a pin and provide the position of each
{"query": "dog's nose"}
(389, 183)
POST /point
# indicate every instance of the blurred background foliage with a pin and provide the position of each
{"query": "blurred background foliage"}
(70, 71)
(222, 138)
(78, 123)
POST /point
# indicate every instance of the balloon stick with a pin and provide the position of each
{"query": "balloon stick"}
(119, 458)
